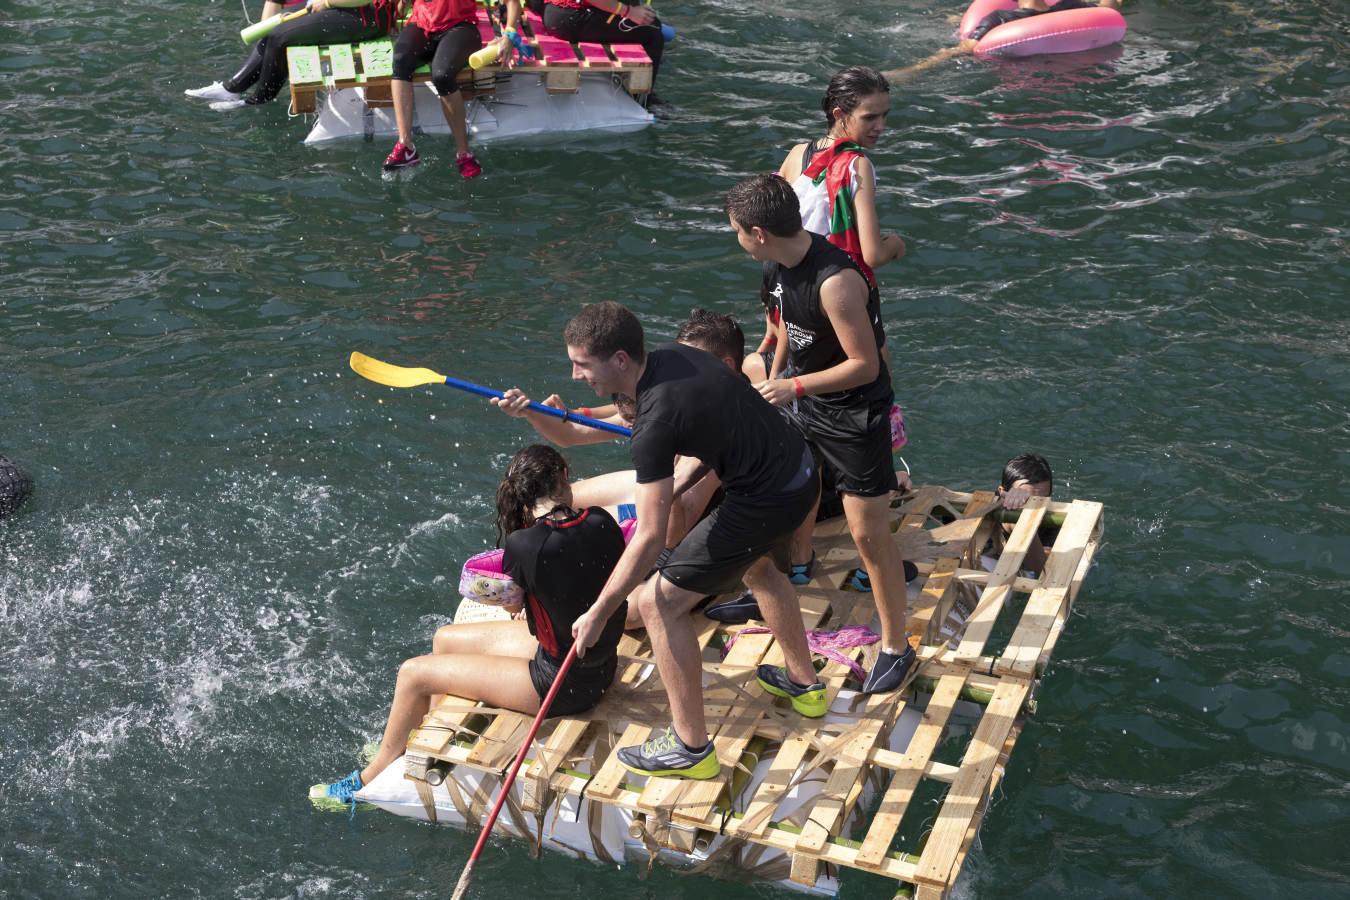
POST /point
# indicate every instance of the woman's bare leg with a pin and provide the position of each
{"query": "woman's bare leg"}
(496, 680)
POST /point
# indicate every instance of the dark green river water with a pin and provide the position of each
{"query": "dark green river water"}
(1134, 264)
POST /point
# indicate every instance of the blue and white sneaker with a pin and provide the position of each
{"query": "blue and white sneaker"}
(339, 795)
(667, 755)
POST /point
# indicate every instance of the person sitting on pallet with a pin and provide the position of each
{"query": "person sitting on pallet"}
(321, 22)
(446, 33)
(686, 402)
(560, 558)
(835, 388)
(1024, 477)
(608, 22)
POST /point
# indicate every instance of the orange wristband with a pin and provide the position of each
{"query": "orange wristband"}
(585, 411)
(797, 386)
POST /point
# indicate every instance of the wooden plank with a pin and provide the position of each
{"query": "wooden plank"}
(343, 64)
(1046, 606)
(916, 760)
(377, 58)
(831, 807)
(959, 808)
(593, 55)
(303, 65)
(500, 742)
(996, 592)
(695, 801)
(540, 771)
(759, 811)
(937, 591)
(605, 785)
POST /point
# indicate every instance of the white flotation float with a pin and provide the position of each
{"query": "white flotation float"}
(1065, 31)
(520, 107)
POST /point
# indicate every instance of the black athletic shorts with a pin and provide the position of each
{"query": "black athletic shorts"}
(714, 555)
(582, 689)
(853, 442)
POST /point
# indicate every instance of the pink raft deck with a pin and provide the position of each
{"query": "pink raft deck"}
(798, 799)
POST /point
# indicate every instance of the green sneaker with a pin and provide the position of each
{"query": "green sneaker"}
(339, 795)
(667, 755)
(808, 699)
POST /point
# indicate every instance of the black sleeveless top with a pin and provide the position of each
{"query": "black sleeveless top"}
(813, 345)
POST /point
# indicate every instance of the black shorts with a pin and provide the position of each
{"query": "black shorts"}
(583, 687)
(854, 443)
(716, 552)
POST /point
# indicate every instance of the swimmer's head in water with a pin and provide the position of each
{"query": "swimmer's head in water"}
(1032, 471)
(847, 89)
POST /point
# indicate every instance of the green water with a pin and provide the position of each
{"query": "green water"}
(1134, 264)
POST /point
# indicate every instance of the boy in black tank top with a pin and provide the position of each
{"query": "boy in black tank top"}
(833, 386)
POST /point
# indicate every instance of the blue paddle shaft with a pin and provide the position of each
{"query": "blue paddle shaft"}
(539, 407)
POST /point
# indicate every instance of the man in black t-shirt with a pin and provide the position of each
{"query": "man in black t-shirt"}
(688, 403)
(831, 383)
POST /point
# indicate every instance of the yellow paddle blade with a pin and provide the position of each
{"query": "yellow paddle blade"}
(394, 376)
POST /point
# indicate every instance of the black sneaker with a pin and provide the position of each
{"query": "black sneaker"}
(807, 699)
(667, 755)
(735, 612)
(889, 671)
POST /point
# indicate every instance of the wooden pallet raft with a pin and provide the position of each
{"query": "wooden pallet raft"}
(369, 65)
(800, 798)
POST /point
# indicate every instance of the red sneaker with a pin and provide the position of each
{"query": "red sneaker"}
(402, 155)
(468, 166)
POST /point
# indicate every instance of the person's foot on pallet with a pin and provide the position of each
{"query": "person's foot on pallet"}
(889, 671)
(668, 756)
(807, 699)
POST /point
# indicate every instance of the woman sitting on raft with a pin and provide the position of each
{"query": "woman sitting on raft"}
(608, 22)
(325, 22)
(1025, 10)
(560, 558)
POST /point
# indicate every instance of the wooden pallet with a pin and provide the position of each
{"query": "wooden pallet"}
(863, 815)
(369, 65)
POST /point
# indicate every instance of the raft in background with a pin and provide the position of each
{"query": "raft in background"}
(566, 87)
(1067, 31)
(797, 798)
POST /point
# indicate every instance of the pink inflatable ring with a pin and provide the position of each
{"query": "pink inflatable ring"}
(1067, 31)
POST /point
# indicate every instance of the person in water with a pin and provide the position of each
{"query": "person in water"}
(445, 33)
(684, 401)
(324, 22)
(833, 387)
(561, 557)
(1025, 10)
(1024, 477)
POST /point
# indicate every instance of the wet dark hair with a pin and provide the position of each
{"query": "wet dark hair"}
(1028, 466)
(848, 87)
(532, 474)
(765, 201)
(717, 333)
(603, 329)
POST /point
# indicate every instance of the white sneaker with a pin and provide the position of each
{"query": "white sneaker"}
(222, 105)
(213, 91)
